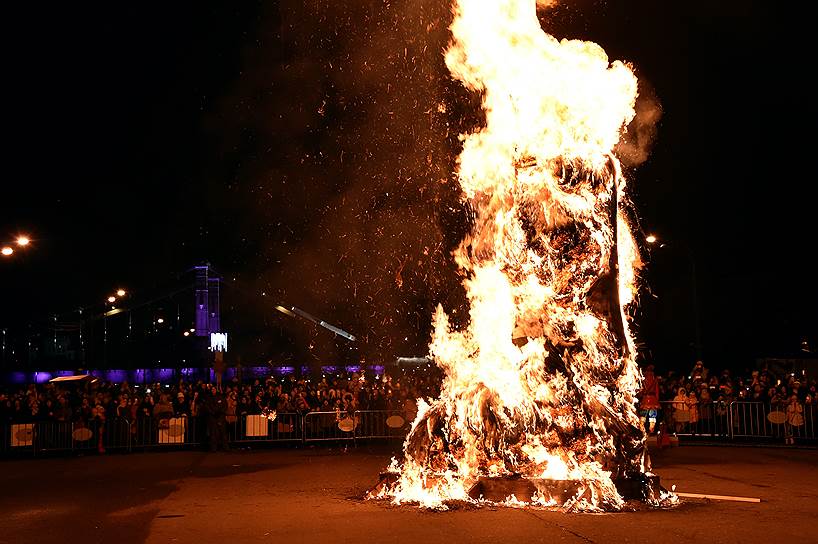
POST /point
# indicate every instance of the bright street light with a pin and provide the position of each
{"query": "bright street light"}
(651, 239)
(120, 292)
(186, 333)
(6, 251)
(23, 240)
(111, 299)
(160, 320)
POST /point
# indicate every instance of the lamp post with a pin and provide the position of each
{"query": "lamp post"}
(653, 240)
(111, 300)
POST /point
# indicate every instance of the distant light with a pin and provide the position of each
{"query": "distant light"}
(6, 251)
(112, 299)
(160, 320)
(651, 239)
(218, 341)
(23, 240)
(192, 330)
(186, 333)
(120, 292)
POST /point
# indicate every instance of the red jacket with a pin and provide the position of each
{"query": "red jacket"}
(649, 395)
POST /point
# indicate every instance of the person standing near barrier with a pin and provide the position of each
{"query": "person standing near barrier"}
(98, 415)
(198, 416)
(705, 408)
(795, 418)
(693, 409)
(216, 406)
(681, 411)
(649, 400)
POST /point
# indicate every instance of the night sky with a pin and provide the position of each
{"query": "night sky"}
(300, 148)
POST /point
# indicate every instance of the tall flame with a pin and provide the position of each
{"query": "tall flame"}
(542, 382)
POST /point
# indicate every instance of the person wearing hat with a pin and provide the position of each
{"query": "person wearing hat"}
(693, 408)
(681, 411)
(180, 407)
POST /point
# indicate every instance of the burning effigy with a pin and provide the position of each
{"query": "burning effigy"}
(537, 405)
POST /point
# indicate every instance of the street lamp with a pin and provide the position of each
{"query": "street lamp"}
(6, 251)
(120, 292)
(111, 299)
(694, 295)
(23, 240)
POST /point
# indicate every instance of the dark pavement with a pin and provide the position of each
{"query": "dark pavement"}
(314, 495)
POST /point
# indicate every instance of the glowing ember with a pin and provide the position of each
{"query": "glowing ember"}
(542, 383)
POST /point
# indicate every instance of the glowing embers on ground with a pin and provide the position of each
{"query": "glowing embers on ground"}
(537, 402)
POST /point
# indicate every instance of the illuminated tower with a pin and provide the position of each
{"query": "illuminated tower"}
(206, 288)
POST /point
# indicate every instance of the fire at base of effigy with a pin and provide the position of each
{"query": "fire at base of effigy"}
(537, 405)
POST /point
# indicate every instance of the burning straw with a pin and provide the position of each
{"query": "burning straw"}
(540, 387)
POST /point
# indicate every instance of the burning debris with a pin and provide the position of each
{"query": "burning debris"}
(537, 402)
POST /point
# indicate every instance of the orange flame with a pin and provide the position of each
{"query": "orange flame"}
(543, 378)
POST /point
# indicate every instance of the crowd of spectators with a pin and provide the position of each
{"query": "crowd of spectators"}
(702, 386)
(702, 396)
(102, 400)
(699, 393)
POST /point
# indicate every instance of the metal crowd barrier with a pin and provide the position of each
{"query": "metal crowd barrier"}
(61, 436)
(781, 420)
(383, 424)
(742, 420)
(737, 420)
(320, 426)
(121, 434)
(703, 419)
(286, 427)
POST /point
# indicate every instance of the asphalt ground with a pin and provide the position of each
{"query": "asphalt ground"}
(314, 495)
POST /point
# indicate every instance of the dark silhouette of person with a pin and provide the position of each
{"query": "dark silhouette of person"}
(216, 405)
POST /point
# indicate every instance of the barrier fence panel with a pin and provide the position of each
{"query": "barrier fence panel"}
(742, 419)
(57, 436)
(117, 434)
(699, 419)
(382, 424)
(171, 431)
(21, 436)
(147, 432)
(142, 432)
(98, 435)
(788, 422)
(329, 426)
(286, 427)
(53, 436)
(749, 419)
